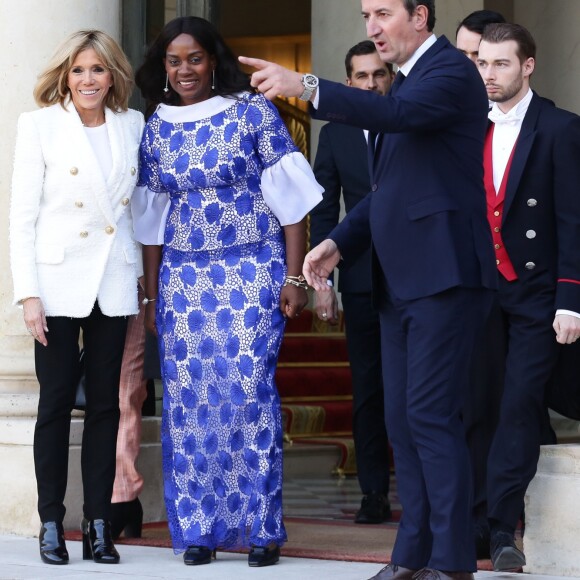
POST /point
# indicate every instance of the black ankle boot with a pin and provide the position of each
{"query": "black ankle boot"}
(264, 555)
(52, 546)
(98, 543)
(126, 516)
(196, 555)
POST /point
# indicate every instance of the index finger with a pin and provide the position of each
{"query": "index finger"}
(253, 62)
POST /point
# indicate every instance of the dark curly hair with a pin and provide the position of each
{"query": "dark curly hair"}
(150, 78)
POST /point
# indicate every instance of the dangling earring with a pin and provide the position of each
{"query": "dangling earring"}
(166, 89)
(213, 79)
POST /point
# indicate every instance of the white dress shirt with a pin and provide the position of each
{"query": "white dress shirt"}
(506, 131)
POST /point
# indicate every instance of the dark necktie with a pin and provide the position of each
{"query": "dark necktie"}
(374, 138)
(399, 78)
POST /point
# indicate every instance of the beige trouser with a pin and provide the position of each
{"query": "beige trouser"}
(132, 394)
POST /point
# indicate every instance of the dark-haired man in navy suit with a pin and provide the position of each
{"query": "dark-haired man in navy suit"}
(433, 264)
(531, 178)
(342, 168)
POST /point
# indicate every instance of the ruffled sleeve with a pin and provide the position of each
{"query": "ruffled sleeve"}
(149, 210)
(290, 188)
(149, 202)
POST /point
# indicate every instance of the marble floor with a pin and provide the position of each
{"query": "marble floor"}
(330, 497)
(19, 561)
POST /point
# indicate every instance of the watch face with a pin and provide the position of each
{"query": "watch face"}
(310, 81)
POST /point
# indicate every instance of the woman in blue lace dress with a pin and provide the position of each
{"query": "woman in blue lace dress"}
(221, 213)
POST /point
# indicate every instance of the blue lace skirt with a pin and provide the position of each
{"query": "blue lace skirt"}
(220, 330)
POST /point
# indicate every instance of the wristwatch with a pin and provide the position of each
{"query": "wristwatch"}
(310, 84)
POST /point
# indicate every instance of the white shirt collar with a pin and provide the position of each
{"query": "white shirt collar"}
(195, 112)
(515, 115)
(406, 68)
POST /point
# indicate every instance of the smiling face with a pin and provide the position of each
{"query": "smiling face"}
(395, 32)
(89, 81)
(189, 67)
(506, 78)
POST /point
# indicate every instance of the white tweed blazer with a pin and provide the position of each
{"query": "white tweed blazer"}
(71, 232)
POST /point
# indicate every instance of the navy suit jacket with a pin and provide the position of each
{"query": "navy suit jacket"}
(541, 227)
(341, 167)
(426, 214)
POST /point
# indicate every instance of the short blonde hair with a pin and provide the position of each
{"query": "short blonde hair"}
(52, 88)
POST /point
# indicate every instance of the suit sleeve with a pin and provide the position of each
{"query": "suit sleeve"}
(434, 101)
(324, 217)
(353, 234)
(566, 156)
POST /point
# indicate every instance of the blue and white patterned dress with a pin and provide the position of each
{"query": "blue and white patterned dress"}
(214, 177)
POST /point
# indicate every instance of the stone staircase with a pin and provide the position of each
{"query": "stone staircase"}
(314, 381)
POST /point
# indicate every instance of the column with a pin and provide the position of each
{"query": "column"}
(554, 28)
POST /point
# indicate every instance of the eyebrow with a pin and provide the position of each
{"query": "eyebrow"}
(190, 54)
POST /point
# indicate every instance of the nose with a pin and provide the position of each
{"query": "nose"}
(371, 83)
(373, 29)
(487, 73)
(88, 77)
(183, 67)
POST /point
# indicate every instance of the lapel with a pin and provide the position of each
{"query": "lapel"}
(121, 153)
(107, 192)
(439, 44)
(522, 151)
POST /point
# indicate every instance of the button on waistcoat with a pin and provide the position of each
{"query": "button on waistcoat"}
(495, 205)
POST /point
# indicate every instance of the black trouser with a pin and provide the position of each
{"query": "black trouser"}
(363, 337)
(57, 373)
(505, 410)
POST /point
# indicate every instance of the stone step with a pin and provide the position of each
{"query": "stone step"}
(304, 460)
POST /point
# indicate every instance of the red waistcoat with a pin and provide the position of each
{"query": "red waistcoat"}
(495, 204)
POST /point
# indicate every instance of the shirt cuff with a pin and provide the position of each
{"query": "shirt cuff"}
(570, 312)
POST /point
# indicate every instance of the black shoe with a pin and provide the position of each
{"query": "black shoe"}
(264, 555)
(505, 555)
(98, 542)
(394, 572)
(196, 555)
(52, 546)
(482, 541)
(374, 509)
(126, 516)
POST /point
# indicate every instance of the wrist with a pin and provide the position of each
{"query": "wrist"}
(298, 281)
(23, 300)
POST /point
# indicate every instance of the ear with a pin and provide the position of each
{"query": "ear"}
(528, 67)
(420, 17)
(348, 82)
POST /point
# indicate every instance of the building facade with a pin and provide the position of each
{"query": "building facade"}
(31, 30)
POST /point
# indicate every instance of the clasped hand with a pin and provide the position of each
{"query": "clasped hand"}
(567, 328)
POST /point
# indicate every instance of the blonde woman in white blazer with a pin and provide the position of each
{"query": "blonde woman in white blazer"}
(75, 266)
